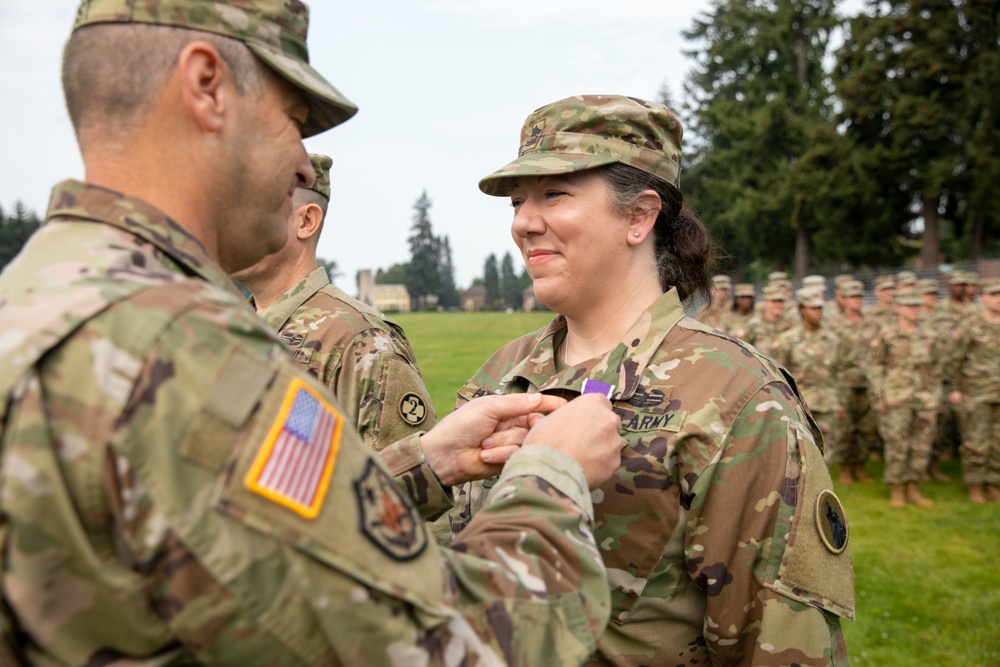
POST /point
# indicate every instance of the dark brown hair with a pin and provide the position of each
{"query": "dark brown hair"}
(685, 255)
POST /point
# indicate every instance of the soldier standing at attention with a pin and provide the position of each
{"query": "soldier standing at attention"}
(904, 376)
(176, 489)
(940, 324)
(858, 434)
(736, 322)
(720, 305)
(713, 428)
(765, 327)
(361, 355)
(973, 373)
(810, 351)
(883, 313)
(835, 307)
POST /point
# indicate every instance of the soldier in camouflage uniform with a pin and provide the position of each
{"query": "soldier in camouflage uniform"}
(352, 348)
(883, 312)
(834, 308)
(720, 304)
(810, 351)
(711, 425)
(764, 328)
(904, 379)
(174, 488)
(858, 434)
(973, 373)
(939, 323)
(736, 322)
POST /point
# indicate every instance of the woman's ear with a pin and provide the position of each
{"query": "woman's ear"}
(647, 208)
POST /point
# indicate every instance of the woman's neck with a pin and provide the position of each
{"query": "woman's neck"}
(596, 329)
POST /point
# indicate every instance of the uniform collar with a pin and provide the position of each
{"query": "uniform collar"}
(279, 311)
(73, 201)
(622, 366)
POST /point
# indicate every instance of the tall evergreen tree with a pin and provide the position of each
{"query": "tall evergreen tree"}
(424, 274)
(900, 79)
(15, 228)
(510, 286)
(491, 281)
(758, 103)
(448, 294)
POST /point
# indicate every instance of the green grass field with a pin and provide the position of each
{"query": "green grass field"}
(927, 581)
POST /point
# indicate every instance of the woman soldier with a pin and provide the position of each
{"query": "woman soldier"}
(723, 540)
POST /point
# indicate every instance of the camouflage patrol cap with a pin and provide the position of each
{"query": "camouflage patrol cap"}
(588, 131)
(744, 289)
(321, 165)
(842, 278)
(774, 293)
(810, 297)
(722, 281)
(927, 286)
(958, 278)
(274, 30)
(905, 278)
(849, 288)
(973, 278)
(990, 286)
(814, 281)
(884, 282)
(775, 276)
(907, 297)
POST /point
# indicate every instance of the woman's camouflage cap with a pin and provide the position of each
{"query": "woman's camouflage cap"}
(274, 30)
(589, 131)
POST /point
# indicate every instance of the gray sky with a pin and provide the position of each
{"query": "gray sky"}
(442, 86)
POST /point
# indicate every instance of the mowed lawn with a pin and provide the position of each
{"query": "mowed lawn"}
(927, 581)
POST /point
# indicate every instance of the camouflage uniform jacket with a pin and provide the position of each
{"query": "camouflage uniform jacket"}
(904, 369)
(973, 362)
(736, 324)
(710, 427)
(366, 360)
(146, 516)
(883, 316)
(813, 359)
(763, 334)
(855, 339)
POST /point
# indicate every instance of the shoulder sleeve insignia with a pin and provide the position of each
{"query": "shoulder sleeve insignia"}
(412, 408)
(831, 521)
(294, 467)
(387, 517)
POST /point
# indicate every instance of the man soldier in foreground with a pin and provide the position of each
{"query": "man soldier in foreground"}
(176, 489)
(363, 357)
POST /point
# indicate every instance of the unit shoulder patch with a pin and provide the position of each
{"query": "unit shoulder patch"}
(831, 521)
(294, 465)
(412, 408)
(387, 516)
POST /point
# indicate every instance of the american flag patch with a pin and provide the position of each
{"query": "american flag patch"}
(294, 466)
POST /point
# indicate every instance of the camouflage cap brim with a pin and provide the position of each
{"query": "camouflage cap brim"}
(328, 107)
(500, 182)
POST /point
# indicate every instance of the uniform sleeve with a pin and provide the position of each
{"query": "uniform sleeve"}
(956, 349)
(877, 351)
(251, 557)
(773, 592)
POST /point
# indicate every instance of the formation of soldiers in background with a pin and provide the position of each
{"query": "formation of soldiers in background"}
(913, 378)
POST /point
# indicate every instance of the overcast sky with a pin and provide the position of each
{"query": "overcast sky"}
(442, 86)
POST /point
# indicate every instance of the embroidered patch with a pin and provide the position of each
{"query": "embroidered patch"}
(651, 421)
(412, 408)
(595, 387)
(387, 516)
(831, 521)
(294, 466)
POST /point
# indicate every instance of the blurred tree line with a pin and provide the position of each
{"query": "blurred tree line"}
(16, 226)
(814, 140)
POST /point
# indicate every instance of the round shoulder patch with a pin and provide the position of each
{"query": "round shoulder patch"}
(388, 517)
(831, 521)
(412, 408)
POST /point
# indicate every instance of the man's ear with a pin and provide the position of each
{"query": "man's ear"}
(206, 85)
(309, 220)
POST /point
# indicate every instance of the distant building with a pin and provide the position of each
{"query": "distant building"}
(472, 299)
(528, 301)
(387, 298)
